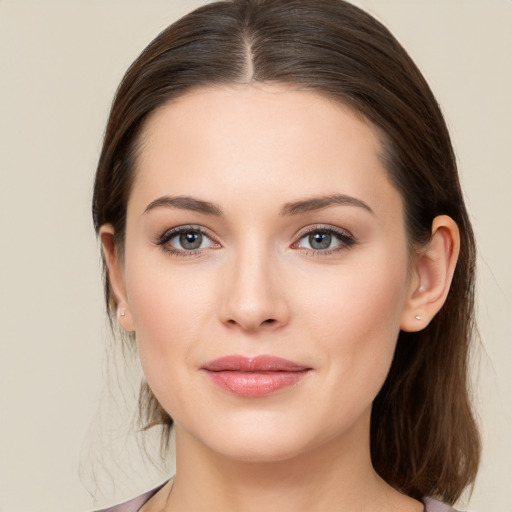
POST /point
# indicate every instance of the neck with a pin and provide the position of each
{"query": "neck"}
(335, 475)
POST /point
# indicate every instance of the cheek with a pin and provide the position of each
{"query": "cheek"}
(366, 297)
(168, 306)
(355, 318)
(165, 295)
(165, 305)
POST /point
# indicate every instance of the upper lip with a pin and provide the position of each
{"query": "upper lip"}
(261, 363)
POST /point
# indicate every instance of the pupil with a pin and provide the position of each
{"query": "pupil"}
(191, 240)
(320, 240)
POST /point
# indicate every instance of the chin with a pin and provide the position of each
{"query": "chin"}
(262, 440)
(259, 450)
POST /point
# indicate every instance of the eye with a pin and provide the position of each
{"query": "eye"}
(185, 240)
(325, 240)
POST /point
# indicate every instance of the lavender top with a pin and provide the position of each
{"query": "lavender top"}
(135, 504)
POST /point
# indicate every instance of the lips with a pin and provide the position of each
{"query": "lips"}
(254, 376)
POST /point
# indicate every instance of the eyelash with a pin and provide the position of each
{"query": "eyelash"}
(172, 233)
(345, 239)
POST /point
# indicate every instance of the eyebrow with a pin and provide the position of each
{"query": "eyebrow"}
(321, 202)
(185, 203)
(294, 208)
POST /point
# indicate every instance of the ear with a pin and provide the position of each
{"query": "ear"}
(116, 276)
(432, 275)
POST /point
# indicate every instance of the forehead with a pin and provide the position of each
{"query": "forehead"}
(255, 139)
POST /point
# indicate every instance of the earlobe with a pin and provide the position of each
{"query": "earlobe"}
(433, 272)
(116, 276)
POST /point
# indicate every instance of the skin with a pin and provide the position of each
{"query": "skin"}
(256, 287)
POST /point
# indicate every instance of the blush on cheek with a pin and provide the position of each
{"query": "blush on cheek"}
(361, 316)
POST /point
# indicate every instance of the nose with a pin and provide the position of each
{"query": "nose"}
(254, 296)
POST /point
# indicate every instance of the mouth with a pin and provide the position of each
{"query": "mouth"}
(252, 377)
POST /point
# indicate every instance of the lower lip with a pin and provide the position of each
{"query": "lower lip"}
(255, 384)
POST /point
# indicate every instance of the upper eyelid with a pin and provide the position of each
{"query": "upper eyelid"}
(185, 228)
(300, 232)
(322, 227)
(172, 232)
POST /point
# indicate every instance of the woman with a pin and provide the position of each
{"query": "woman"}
(285, 239)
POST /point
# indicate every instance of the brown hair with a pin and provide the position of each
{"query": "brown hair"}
(424, 439)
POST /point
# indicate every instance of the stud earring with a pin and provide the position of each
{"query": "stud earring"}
(418, 317)
(123, 313)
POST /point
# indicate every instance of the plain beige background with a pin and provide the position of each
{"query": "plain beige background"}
(60, 62)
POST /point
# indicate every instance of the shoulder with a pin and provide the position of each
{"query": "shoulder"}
(432, 505)
(135, 504)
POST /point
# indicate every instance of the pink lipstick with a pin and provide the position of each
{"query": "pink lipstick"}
(254, 376)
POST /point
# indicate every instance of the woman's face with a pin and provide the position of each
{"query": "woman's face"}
(262, 223)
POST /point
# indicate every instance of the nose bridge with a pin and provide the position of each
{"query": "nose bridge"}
(253, 295)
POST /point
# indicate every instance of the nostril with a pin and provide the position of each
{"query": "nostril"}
(269, 321)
